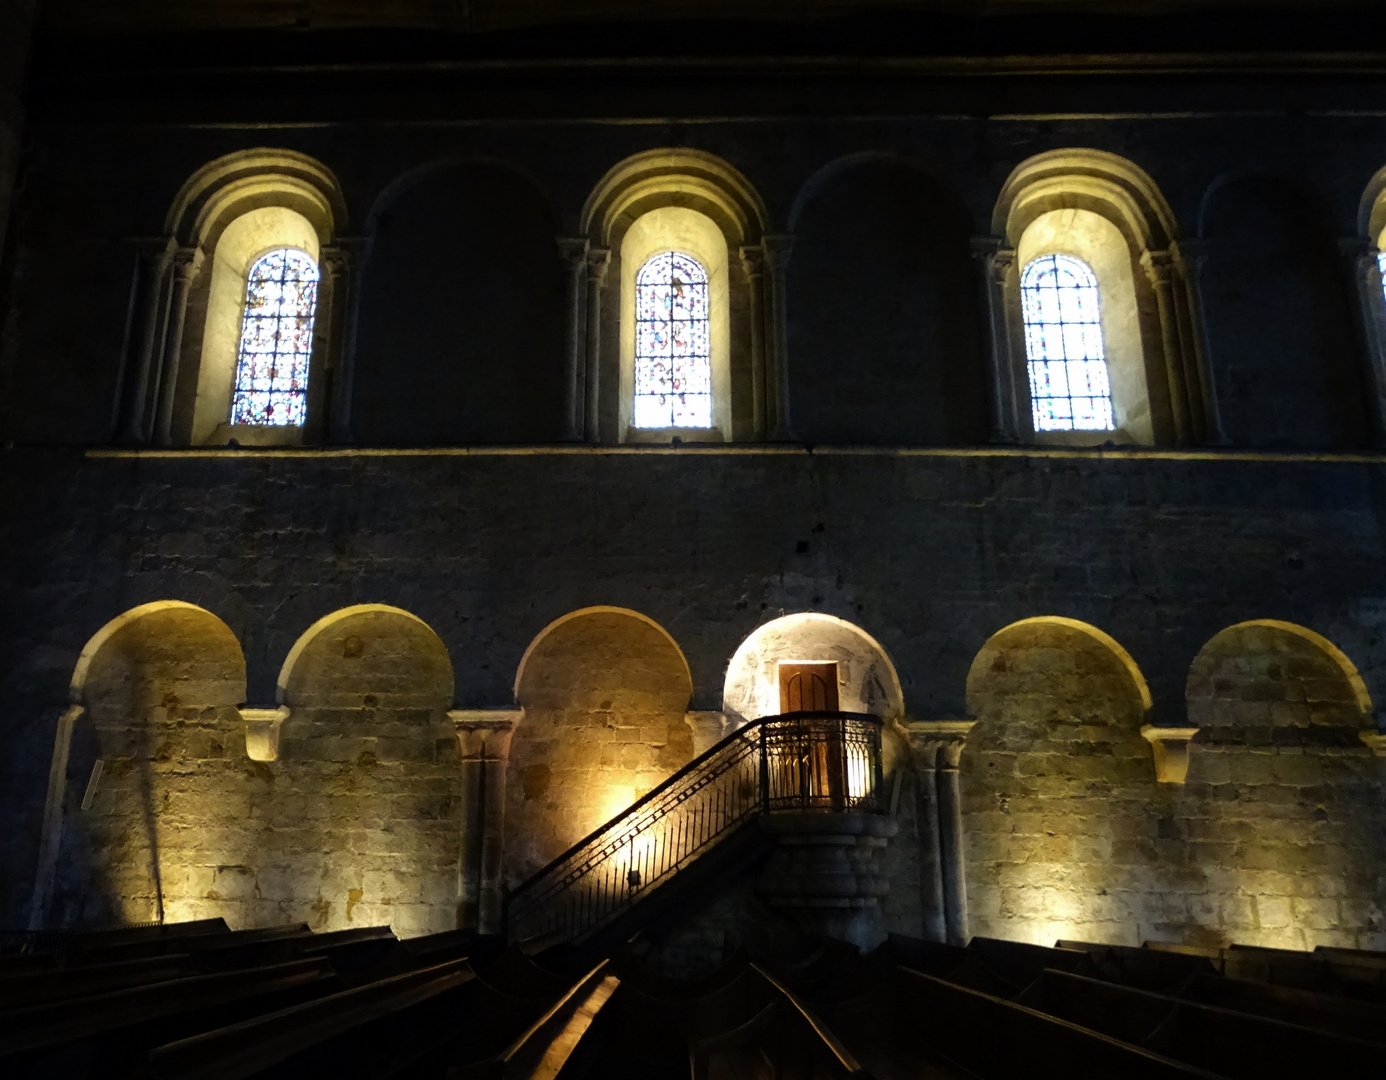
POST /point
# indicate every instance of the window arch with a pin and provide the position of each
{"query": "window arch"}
(1061, 308)
(281, 296)
(673, 343)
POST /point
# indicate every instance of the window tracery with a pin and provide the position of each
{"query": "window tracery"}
(281, 295)
(673, 352)
(1069, 385)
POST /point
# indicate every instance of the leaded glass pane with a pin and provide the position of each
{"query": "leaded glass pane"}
(281, 296)
(1069, 387)
(673, 344)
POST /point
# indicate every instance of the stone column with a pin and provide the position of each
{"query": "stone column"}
(329, 326)
(777, 249)
(51, 829)
(1369, 304)
(147, 311)
(598, 262)
(1159, 268)
(1190, 256)
(186, 263)
(937, 747)
(484, 735)
(753, 266)
(349, 254)
(574, 254)
(997, 264)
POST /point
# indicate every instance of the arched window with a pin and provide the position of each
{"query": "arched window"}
(1381, 266)
(673, 344)
(281, 297)
(1069, 387)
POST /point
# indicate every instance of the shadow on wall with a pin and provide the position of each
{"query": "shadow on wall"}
(605, 693)
(460, 335)
(160, 686)
(884, 326)
(1275, 839)
(1279, 320)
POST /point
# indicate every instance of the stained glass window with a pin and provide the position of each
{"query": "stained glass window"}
(281, 297)
(1069, 388)
(1381, 265)
(673, 357)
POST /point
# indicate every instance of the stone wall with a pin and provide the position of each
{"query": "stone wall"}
(931, 553)
(604, 695)
(1276, 839)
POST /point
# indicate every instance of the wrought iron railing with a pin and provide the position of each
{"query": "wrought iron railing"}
(808, 761)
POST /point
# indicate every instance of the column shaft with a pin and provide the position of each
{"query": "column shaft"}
(930, 855)
(353, 252)
(574, 253)
(996, 262)
(1190, 257)
(147, 311)
(1158, 268)
(598, 260)
(753, 265)
(186, 262)
(777, 249)
(1369, 303)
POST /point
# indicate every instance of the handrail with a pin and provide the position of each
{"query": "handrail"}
(801, 761)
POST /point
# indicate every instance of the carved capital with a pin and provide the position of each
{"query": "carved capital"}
(262, 732)
(1191, 253)
(1158, 266)
(1376, 742)
(777, 249)
(598, 262)
(996, 259)
(1361, 252)
(1170, 747)
(573, 250)
(938, 744)
(484, 734)
(752, 261)
(187, 261)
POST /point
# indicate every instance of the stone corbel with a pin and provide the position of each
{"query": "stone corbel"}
(708, 729)
(484, 734)
(1170, 746)
(262, 732)
(1376, 742)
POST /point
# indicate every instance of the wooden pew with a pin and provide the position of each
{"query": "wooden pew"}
(1231, 1043)
(1146, 969)
(57, 984)
(122, 1024)
(1323, 1012)
(996, 1039)
(319, 1031)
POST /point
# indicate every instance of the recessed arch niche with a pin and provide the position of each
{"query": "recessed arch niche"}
(1283, 789)
(867, 681)
(142, 763)
(605, 694)
(1057, 787)
(361, 824)
(460, 333)
(1280, 318)
(885, 334)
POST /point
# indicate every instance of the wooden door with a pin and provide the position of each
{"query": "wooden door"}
(812, 687)
(808, 687)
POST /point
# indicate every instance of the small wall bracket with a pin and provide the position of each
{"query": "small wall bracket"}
(1170, 746)
(262, 732)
